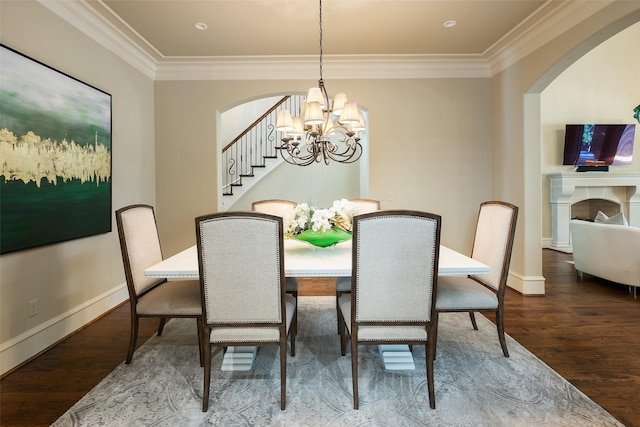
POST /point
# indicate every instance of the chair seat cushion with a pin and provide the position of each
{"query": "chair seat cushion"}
(254, 334)
(463, 293)
(381, 333)
(179, 298)
(343, 284)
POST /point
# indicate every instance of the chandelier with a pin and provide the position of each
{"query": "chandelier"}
(328, 130)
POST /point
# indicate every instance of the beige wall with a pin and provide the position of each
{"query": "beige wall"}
(516, 120)
(441, 145)
(601, 87)
(75, 281)
(429, 142)
(317, 184)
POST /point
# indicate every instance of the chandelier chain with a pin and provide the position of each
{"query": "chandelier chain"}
(321, 40)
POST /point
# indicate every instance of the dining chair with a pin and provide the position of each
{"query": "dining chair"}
(242, 282)
(492, 245)
(393, 286)
(140, 247)
(281, 208)
(343, 284)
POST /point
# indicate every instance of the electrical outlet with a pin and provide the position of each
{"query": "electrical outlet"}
(32, 309)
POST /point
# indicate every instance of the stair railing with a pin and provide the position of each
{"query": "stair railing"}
(254, 145)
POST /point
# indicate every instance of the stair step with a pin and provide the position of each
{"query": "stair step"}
(246, 175)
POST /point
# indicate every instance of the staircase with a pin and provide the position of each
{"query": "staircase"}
(255, 150)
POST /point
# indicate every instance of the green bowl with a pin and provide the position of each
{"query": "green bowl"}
(325, 238)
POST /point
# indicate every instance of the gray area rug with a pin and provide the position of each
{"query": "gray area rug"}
(475, 385)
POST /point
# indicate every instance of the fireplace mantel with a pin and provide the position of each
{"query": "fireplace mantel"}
(572, 187)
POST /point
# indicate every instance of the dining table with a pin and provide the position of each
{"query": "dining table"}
(301, 259)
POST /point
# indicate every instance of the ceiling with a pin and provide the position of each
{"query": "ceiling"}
(279, 39)
(166, 28)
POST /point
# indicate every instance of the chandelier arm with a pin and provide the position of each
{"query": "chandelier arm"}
(326, 156)
(293, 157)
(351, 158)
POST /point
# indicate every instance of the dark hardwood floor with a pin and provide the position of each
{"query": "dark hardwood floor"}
(586, 330)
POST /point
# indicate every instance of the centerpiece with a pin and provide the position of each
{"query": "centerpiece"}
(321, 227)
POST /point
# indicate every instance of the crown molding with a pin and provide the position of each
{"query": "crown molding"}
(108, 34)
(97, 28)
(335, 67)
(549, 21)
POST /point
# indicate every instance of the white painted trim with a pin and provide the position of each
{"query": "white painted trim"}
(94, 26)
(546, 242)
(559, 17)
(132, 48)
(526, 285)
(26, 345)
(336, 67)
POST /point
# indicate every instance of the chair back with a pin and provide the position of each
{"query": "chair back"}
(395, 259)
(278, 207)
(493, 241)
(366, 205)
(241, 261)
(140, 246)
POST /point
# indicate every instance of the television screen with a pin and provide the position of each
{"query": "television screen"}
(591, 144)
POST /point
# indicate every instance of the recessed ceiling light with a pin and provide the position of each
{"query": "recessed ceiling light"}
(449, 24)
(201, 26)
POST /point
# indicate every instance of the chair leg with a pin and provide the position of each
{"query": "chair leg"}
(295, 315)
(133, 337)
(354, 371)
(200, 338)
(435, 335)
(472, 315)
(501, 337)
(293, 330)
(431, 350)
(342, 330)
(283, 375)
(163, 321)
(207, 372)
(338, 294)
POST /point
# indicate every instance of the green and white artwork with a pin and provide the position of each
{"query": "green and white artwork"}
(55, 155)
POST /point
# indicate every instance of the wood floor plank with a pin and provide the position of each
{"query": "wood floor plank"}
(586, 330)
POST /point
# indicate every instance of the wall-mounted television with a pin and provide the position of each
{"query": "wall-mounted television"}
(595, 145)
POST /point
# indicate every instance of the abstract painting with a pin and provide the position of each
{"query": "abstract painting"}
(55, 155)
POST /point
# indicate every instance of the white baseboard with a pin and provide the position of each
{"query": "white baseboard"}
(526, 285)
(546, 242)
(21, 348)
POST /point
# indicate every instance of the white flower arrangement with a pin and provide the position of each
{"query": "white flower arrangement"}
(305, 217)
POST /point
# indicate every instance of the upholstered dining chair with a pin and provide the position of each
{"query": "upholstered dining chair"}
(140, 247)
(281, 208)
(492, 245)
(242, 282)
(393, 286)
(343, 284)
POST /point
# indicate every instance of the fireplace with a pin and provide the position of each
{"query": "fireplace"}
(588, 209)
(582, 194)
